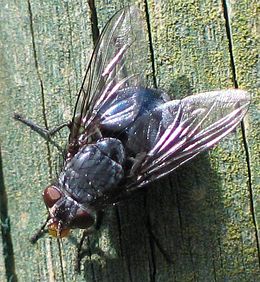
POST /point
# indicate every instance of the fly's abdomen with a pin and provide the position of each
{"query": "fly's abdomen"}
(94, 170)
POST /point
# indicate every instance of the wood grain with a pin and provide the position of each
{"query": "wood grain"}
(205, 216)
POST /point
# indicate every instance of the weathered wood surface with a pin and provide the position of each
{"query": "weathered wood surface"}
(204, 215)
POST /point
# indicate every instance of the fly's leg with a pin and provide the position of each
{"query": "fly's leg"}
(99, 219)
(80, 254)
(39, 233)
(43, 132)
(86, 233)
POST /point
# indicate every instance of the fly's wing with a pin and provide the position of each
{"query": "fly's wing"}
(191, 126)
(113, 67)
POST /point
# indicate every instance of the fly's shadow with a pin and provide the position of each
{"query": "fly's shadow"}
(184, 212)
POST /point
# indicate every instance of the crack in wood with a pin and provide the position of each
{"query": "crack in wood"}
(246, 147)
(150, 42)
(41, 86)
(8, 252)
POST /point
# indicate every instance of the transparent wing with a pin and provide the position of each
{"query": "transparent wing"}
(116, 63)
(191, 126)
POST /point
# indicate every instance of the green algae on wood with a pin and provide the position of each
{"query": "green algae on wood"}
(201, 215)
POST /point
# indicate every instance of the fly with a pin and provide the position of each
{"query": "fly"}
(124, 135)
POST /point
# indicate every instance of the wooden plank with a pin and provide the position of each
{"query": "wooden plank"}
(245, 36)
(216, 232)
(7, 269)
(201, 215)
(2, 265)
(2, 261)
(39, 42)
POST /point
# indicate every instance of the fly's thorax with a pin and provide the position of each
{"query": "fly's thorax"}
(65, 213)
(95, 171)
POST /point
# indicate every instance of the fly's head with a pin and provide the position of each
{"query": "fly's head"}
(65, 213)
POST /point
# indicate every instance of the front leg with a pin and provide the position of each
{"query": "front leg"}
(40, 232)
(43, 132)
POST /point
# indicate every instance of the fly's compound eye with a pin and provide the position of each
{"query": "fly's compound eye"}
(51, 195)
(82, 220)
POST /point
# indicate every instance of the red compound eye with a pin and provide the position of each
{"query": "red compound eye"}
(82, 220)
(51, 195)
